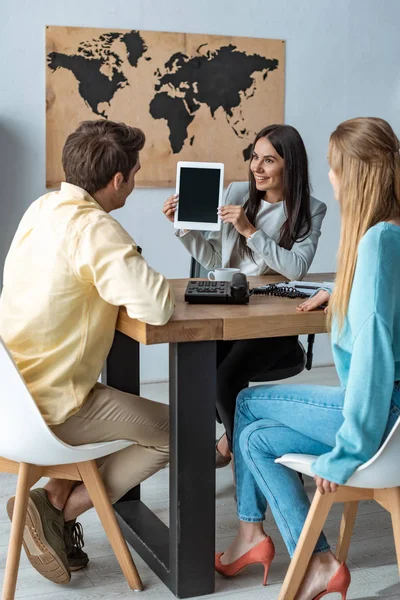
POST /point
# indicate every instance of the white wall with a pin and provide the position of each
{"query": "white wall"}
(342, 62)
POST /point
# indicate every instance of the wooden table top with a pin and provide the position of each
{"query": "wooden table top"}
(264, 316)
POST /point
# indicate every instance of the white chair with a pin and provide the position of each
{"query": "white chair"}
(378, 479)
(30, 449)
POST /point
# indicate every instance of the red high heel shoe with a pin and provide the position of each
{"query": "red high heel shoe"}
(262, 553)
(338, 583)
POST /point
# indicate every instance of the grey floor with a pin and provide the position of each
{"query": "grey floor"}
(371, 560)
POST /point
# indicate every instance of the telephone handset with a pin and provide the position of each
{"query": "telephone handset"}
(240, 288)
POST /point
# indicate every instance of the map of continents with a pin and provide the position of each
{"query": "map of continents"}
(220, 78)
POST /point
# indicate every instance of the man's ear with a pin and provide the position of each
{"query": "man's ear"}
(117, 181)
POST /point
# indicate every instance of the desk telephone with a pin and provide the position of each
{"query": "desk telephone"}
(219, 292)
(235, 292)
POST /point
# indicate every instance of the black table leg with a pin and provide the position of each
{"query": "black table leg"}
(183, 555)
(192, 467)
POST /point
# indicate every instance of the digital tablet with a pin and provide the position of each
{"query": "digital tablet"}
(200, 186)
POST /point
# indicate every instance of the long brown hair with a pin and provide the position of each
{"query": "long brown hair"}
(296, 187)
(364, 155)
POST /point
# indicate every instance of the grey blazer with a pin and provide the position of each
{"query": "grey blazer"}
(216, 250)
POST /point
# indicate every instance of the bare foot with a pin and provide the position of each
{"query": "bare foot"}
(321, 568)
(248, 536)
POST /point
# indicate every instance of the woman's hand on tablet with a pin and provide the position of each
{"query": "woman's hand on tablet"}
(231, 213)
(169, 207)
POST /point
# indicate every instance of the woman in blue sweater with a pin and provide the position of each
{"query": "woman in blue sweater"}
(343, 426)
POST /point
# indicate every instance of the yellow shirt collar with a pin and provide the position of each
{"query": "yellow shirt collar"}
(69, 190)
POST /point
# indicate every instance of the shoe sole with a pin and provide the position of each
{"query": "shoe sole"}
(72, 568)
(40, 554)
(219, 464)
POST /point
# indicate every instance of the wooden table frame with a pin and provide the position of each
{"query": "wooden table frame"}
(183, 554)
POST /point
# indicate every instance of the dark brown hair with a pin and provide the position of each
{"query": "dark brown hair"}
(97, 150)
(296, 187)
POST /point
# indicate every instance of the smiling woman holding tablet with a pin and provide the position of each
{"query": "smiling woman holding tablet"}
(270, 224)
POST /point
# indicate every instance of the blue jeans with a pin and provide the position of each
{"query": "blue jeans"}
(272, 420)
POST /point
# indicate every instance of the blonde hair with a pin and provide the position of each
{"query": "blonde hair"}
(364, 155)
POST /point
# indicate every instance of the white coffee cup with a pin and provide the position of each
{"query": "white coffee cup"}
(223, 274)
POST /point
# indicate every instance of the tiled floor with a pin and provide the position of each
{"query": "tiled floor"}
(371, 560)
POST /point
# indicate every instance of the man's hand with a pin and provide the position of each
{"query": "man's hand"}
(235, 214)
(324, 485)
(320, 297)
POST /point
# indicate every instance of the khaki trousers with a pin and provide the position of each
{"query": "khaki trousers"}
(109, 415)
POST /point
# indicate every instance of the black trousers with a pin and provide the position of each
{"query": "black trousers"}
(237, 363)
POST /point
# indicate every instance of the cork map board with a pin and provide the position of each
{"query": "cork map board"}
(196, 97)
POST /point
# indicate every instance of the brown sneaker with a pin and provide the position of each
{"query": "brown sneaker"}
(73, 537)
(44, 537)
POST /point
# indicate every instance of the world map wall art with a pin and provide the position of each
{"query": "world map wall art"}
(196, 97)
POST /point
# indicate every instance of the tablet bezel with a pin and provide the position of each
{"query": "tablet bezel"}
(196, 225)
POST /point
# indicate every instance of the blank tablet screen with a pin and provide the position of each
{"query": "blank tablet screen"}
(198, 195)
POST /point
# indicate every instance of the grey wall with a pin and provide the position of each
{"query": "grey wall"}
(342, 62)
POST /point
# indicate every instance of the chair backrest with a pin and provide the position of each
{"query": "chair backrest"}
(24, 435)
(197, 270)
(382, 470)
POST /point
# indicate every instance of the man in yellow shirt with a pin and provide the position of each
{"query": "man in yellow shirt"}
(70, 267)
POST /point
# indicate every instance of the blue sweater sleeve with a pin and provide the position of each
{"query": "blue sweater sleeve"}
(366, 405)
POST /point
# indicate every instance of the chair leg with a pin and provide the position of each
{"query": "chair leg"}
(27, 476)
(97, 492)
(313, 526)
(394, 504)
(346, 530)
